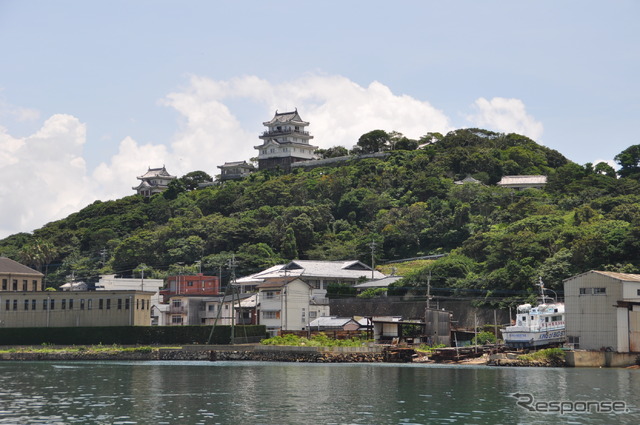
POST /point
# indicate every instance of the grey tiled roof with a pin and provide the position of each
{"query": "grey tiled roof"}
(7, 265)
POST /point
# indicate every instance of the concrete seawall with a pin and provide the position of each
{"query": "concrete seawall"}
(215, 353)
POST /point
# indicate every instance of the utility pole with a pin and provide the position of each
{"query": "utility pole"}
(232, 266)
(429, 290)
(142, 271)
(373, 245)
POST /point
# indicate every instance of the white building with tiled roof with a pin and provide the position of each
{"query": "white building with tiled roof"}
(155, 180)
(285, 142)
(523, 182)
(318, 274)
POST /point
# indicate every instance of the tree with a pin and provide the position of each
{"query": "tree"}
(193, 179)
(629, 160)
(333, 152)
(374, 141)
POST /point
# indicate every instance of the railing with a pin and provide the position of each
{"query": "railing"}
(177, 310)
(282, 132)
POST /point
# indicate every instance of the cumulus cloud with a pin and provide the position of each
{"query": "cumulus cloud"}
(46, 173)
(505, 115)
(43, 175)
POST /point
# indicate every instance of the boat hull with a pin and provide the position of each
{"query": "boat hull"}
(529, 339)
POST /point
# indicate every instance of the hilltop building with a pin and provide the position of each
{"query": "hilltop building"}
(523, 182)
(235, 170)
(286, 141)
(155, 180)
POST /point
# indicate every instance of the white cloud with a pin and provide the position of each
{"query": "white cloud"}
(43, 175)
(505, 115)
(46, 176)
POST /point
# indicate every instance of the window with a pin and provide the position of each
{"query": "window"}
(127, 303)
(313, 314)
(100, 304)
(45, 304)
(35, 285)
(15, 304)
(177, 303)
(26, 304)
(119, 303)
(70, 304)
(5, 283)
(7, 305)
(63, 304)
(89, 304)
(190, 283)
(138, 304)
(593, 291)
(270, 314)
(108, 303)
(211, 307)
(81, 303)
(33, 304)
(15, 284)
(176, 320)
(25, 285)
(52, 304)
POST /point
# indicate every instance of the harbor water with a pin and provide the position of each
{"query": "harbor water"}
(304, 393)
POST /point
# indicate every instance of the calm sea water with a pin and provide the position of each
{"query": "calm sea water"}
(302, 393)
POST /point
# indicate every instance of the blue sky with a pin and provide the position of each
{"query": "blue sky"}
(94, 92)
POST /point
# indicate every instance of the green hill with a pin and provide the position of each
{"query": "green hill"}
(499, 241)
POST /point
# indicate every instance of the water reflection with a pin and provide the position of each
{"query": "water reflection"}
(288, 393)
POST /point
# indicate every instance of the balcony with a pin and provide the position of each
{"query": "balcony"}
(282, 132)
(177, 309)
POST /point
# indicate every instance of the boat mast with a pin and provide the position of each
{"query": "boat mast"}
(541, 284)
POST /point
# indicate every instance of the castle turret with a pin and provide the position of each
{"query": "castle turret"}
(284, 142)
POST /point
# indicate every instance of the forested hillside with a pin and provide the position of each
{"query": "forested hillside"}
(498, 240)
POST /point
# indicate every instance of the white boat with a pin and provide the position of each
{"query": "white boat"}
(537, 326)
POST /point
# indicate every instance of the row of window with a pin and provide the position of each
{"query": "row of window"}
(68, 304)
(14, 285)
(593, 291)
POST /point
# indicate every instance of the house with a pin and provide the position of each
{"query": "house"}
(155, 180)
(317, 274)
(602, 311)
(198, 284)
(237, 309)
(285, 142)
(17, 277)
(287, 304)
(74, 308)
(185, 310)
(235, 170)
(523, 182)
(334, 323)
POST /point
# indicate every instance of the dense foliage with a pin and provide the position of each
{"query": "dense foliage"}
(499, 241)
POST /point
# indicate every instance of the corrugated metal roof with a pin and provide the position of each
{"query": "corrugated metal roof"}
(331, 322)
(7, 265)
(624, 277)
